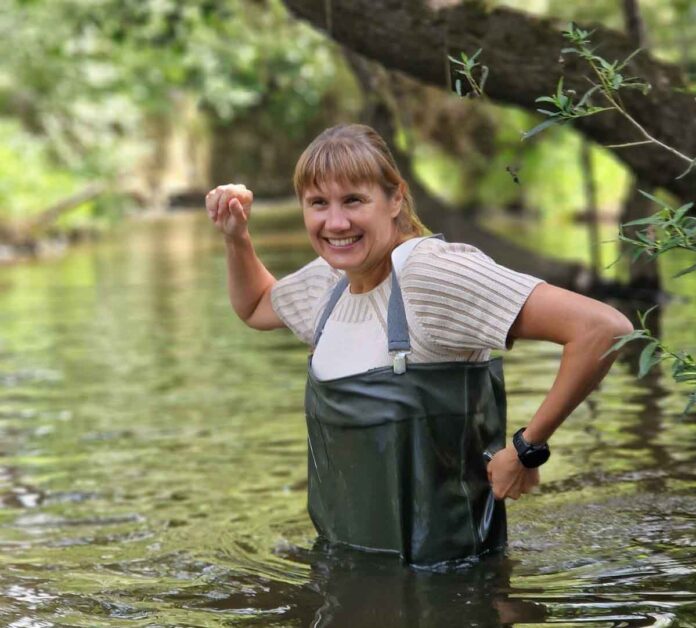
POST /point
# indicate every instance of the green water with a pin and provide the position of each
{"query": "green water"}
(153, 466)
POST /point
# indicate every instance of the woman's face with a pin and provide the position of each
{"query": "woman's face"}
(352, 226)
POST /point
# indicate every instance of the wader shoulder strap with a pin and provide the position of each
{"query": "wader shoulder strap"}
(333, 299)
(397, 327)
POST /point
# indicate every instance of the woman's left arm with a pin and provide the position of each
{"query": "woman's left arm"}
(587, 329)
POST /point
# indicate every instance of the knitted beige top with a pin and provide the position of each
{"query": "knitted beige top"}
(459, 305)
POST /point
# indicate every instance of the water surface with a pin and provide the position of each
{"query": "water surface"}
(153, 466)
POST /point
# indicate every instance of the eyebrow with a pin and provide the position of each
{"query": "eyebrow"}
(315, 197)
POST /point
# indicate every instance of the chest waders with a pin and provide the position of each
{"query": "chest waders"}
(396, 454)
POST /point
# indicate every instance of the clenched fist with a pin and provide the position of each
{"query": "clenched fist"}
(229, 207)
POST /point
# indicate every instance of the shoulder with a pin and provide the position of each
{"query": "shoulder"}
(317, 273)
(427, 251)
(296, 297)
(442, 261)
(461, 296)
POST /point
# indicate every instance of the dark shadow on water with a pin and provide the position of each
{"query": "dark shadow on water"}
(352, 588)
(365, 589)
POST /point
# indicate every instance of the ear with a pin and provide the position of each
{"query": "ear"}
(397, 202)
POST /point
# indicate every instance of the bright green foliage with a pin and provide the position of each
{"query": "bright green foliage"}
(82, 75)
(29, 181)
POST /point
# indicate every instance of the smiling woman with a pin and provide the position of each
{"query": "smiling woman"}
(349, 225)
(405, 407)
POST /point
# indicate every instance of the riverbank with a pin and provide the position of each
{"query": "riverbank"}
(274, 213)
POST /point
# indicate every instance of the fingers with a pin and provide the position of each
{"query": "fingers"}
(516, 486)
(211, 199)
(217, 201)
(530, 480)
(525, 483)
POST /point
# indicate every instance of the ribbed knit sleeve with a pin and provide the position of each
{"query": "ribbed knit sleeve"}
(296, 298)
(460, 297)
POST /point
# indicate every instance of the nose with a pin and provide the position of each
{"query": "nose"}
(336, 219)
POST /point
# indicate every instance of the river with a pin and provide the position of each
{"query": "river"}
(153, 465)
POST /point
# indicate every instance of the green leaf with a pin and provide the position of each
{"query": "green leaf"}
(655, 219)
(644, 315)
(636, 334)
(656, 200)
(647, 358)
(685, 271)
(587, 94)
(540, 127)
(679, 213)
(629, 57)
(484, 76)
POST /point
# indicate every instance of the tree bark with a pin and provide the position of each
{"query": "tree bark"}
(635, 26)
(522, 52)
(439, 217)
(647, 273)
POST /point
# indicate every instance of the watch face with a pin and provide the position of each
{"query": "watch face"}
(530, 455)
(535, 458)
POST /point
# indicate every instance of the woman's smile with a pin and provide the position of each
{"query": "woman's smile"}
(343, 243)
(353, 227)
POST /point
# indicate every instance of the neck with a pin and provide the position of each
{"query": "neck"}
(368, 279)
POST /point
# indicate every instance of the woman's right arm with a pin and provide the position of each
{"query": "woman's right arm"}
(249, 282)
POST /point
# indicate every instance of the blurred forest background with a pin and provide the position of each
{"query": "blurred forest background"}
(109, 108)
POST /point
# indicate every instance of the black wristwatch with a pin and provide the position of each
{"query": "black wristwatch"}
(530, 455)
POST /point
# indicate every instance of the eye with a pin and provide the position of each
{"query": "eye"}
(318, 202)
(352, 200)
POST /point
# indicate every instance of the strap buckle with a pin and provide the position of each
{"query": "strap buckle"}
(399, 361)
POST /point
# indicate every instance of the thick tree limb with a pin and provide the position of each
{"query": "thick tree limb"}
(440, 218)
(522, 52)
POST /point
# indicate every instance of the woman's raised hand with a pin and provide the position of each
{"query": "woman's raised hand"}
(229, 207)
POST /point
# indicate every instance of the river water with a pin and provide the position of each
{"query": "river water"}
(153, 465)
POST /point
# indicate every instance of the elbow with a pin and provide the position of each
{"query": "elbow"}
(611, 328)
(605, 328)
(620, 325)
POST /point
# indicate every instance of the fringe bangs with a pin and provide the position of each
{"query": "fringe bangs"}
(344, 162)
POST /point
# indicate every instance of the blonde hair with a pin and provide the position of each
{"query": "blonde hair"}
(356, 153)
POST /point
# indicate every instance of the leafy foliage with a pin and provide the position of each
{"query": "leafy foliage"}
(465, 67)
(665, 230)
(84, 75)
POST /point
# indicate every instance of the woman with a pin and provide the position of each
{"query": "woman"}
(404, 405)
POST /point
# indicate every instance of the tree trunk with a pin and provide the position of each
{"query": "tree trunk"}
(645, 274)
(635, 27)
(591, 213)
(522, 52)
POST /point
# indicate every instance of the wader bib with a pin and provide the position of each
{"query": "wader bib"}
(397, 454)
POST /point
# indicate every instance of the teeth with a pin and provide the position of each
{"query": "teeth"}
(343, 241)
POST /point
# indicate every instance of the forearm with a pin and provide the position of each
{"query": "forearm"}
(247, 278)
(580, 371)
